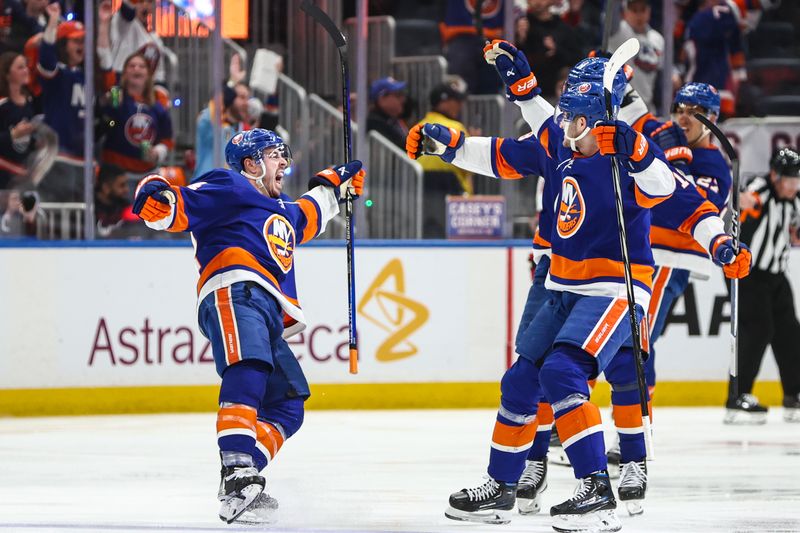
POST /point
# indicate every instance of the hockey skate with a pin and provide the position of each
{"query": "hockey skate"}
(633, 486)
(745, 410)
(260, 512)
(556, 454)
(532, 484)
(490, 503)
(239, 488)
(590, 509)
(791, 408)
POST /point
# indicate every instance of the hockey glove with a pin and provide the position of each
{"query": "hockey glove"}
(154, 199)
(671, 138)
(615, 137)
(442, 141)
(735, 266)
(354, 186)
(414, 142)
(513, 68)
(336, 175)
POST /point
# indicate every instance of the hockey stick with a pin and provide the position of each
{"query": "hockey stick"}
(733, 205)
(312, 10)
(622, 55)
(611, 6)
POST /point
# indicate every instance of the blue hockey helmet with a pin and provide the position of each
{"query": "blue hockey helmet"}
(585, 99)
(252, 143)
(698, 94)
(591, 69)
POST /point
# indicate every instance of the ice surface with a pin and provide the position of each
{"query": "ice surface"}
(372, 471)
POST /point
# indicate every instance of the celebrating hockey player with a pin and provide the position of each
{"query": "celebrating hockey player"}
(245, 232)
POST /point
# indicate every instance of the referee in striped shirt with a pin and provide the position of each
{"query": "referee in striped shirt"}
(770, 219)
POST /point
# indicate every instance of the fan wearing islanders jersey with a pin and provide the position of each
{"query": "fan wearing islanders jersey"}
(245, 232)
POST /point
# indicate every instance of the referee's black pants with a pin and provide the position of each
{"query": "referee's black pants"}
(767, 317)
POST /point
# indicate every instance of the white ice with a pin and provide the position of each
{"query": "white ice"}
(372, 471)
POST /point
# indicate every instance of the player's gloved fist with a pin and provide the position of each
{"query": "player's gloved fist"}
(414, 142)
(353, 186)
(513, 67)
(336, 175)
(723, 253)
(154, 199)
(671, 138)
(442, 141)
(615, 137)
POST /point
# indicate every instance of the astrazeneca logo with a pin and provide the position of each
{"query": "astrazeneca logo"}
(280, 241)
(386, 305)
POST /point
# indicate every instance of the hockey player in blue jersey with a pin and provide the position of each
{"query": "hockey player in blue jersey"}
(245, 232)
(684, 230)
(581, 326)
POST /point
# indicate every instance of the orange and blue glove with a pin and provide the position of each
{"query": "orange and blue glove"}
(513, 68)
(615, 137)
(153, 200)
(442, 141)
(414, 142)
(735, 266)
(671, 138)
(345, 178)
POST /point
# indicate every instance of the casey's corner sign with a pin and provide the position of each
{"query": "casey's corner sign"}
(476, 217)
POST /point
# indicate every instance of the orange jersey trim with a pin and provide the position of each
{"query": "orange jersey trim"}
(629, 416)
(540, 241)
(647, 201)
(675, 239)
(240, 257)
(504, 170)
(588, 269)
(449, 32)
(181, 222)
(704, 209)
(129, 163)
(312, 222)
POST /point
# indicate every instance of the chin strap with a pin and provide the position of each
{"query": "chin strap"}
(573, 140)
(258, 179)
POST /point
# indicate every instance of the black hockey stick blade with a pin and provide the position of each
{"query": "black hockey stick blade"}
(313, 11)
(723, 140)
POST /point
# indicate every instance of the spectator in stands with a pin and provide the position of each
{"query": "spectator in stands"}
(61, 57)
(636, 23)
(129, 34)
(234, 118)
(387, 98)
(16, 114)
(20, 215)
(139, 137)
(463, 42)
(442, 179)
(27, 19)
(713, 51)
(549, 43)
(112, 205)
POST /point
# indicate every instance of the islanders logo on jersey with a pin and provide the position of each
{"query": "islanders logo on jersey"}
(280, 241)
(489, 8)
(140, 128)
(571, 208)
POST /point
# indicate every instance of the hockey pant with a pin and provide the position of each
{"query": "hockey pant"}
(263, 387)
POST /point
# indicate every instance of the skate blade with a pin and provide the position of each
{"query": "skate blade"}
(597, 521)
(491, 516)
(791, 415)
(634, 507)
(528, 506)
(736, 417)
(233, 507)
(262, 511)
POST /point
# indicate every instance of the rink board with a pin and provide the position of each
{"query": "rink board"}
(112, 328)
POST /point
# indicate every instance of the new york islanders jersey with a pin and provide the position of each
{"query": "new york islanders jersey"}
(135, 123)
(459, 19)
(63, 100)
(585, 251)
(684, 226)
(241, 235)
